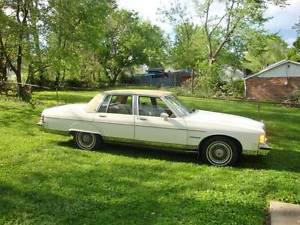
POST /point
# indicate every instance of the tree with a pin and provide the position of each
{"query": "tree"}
(238, 14)
(71, 27)
(263, 50)
(296, 27)
(294, 52)
(19, 39)
(184, 53)
(126, 42)
(223, 34)
(13, 37)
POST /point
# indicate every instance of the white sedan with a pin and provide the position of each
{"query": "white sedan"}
(157, 118)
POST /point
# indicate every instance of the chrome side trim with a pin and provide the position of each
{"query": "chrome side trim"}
(132, 124)
(138, 125)
(83, 131)
(150, 144)
(195, 137)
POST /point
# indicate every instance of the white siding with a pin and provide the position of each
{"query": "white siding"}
(284, 70)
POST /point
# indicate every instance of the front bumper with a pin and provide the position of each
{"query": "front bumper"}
(263, 149)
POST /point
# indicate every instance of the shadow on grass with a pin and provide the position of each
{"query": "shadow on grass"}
(45, 206)
(102, 196)
(141, 152)
(280, 160)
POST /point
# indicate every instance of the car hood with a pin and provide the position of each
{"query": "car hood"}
(223, 120)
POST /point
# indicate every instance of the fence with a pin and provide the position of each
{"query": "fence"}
(170, 79)
(31, 87)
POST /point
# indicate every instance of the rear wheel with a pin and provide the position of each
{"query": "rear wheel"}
(86, 141)
(220, 151)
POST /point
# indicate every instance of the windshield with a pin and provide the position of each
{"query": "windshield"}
(94, 103)
(176, 104)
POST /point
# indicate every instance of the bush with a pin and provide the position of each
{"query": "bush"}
(233, 88)
(293, 99)
(205, 86)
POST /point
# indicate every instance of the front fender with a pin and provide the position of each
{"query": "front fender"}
(248, 141)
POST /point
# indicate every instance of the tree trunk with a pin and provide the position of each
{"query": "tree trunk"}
(30, 77)
(193, 79)
(19, 69)
(3, 73)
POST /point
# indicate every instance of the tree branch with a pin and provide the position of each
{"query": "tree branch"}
(209, 2)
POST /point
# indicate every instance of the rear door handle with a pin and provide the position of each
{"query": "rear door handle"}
(102, 116)
(142, 118)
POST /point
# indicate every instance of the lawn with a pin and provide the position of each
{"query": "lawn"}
(45, 180)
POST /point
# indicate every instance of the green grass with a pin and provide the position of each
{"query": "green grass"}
(45, 180)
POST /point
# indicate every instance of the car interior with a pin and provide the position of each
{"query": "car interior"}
(121, 104)
(152, 106)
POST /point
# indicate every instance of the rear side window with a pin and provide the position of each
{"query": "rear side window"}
(103, 107)
(119, 104)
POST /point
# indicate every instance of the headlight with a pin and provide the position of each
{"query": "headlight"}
(262, 139)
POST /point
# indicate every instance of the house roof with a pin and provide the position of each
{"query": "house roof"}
(272, 66)
(154, 93)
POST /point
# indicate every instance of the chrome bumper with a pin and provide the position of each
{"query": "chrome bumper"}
(263, 149)
(50, 131)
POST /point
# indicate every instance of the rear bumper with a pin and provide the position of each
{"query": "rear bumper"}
(50, 131)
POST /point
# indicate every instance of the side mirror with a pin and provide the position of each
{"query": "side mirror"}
(165, 116)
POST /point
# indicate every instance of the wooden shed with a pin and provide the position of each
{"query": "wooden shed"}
(275, 82)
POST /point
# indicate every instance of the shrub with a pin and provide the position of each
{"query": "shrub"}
(293, 99)
(233, 88)
(205, 86)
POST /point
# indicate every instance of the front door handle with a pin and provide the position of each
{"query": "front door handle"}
(103, 116)
(142, 118)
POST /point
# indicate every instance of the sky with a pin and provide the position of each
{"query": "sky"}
(283, 18)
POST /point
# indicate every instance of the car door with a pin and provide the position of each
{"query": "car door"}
(114, 118)
(150, 126)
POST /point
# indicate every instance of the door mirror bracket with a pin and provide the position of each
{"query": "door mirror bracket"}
(165, 116)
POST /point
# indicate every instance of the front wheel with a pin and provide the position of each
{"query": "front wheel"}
(86, 141)
(220, 151)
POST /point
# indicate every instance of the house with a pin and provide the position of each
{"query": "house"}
(230, 73)
(275, 82)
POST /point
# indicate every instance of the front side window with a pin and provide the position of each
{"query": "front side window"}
(153, 106)
(177, 105)
(120, 104)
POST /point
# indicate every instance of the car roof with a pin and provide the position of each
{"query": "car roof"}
(153, 93)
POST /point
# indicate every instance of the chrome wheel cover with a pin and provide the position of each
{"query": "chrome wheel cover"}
(219, 153)
(86, 140)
